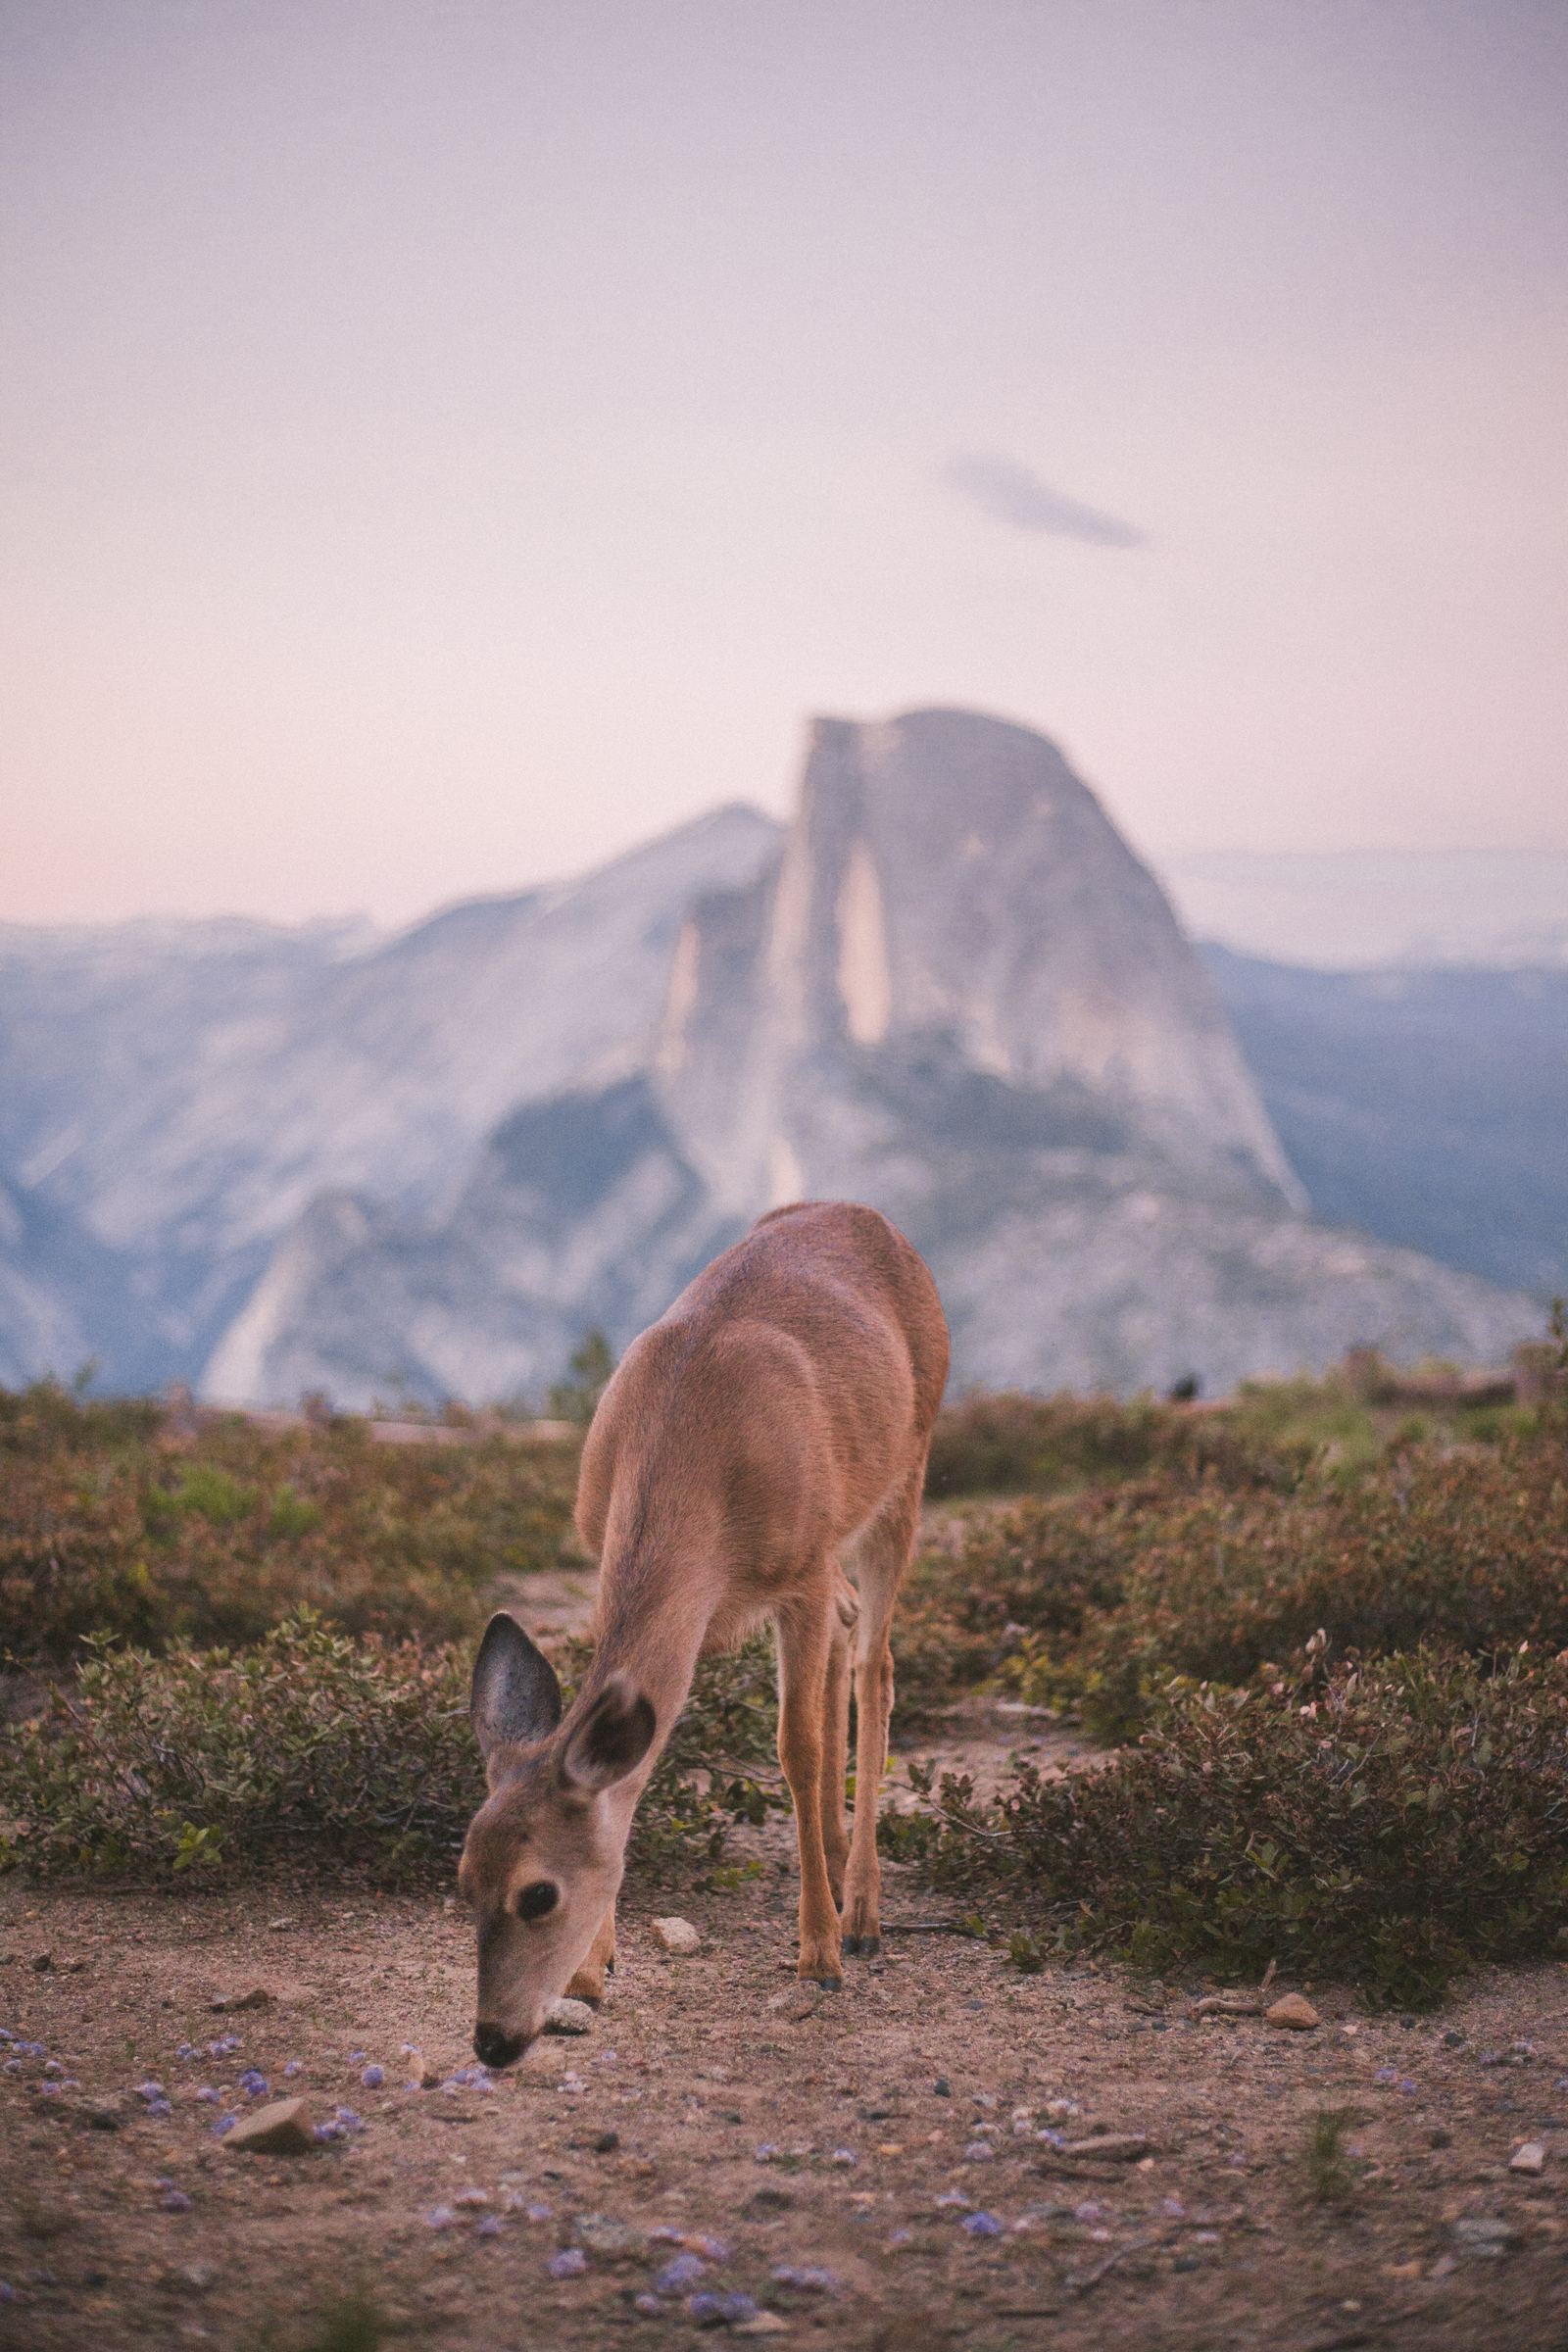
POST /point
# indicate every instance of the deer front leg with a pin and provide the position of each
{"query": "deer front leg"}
(588, 1984)
(805, 1641)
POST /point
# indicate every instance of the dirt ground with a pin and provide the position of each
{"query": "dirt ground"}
(824, 2155)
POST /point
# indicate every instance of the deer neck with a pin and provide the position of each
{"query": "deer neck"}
(659, 1588)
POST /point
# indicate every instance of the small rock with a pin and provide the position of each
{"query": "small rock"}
(569, 2017)
(283, 2127)
(763, 2323)
(765, 2202)
(228, 2005)
(43, 1963)
(1293, 2013)
(607, 2143)
(1111, 2148)
(1529, 2157)
(194, 2277)
(611, 2239)
(676, 1936)
(1483, 2235)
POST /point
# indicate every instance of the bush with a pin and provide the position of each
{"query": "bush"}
(1404, 1818)
(1009, 1443)
(315, 1743)
(108, 1527)
(1096, 1599)
(1270, 1434)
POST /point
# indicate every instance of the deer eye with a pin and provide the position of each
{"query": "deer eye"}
(535, 1900)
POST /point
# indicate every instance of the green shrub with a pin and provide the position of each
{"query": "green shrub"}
(1095, 1598)
(1270, 1433)
(1008, 1443)
(1406, 1818)
(317, 1745)
(107, 1527)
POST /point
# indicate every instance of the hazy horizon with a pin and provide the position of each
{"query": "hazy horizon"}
(441, 452)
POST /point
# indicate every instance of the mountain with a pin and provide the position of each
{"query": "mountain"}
(1430, 1107)
(181, 1094)
(951, 990)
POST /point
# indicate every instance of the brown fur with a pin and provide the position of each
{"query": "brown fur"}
(776, 1418)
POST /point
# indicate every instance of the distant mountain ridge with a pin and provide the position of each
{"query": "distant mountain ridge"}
(271, 1160)
(182, 1094)
(951, 990)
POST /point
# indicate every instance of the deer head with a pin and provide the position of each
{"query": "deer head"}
(544, 1855)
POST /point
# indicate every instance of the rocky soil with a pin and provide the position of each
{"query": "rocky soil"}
(895, 2165)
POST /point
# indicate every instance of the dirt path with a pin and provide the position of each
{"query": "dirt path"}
(817, 2153)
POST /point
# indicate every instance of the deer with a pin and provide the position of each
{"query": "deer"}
(766, 1434)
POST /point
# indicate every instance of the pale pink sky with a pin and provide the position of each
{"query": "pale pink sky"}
(443, 444)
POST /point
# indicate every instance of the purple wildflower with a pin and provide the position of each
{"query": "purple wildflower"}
(569, 2262)
(720, 2311)
(177, 2201)
(981, 2225)
(373, 2077)
(680, 2273)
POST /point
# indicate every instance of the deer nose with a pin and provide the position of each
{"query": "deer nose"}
(492, 2045)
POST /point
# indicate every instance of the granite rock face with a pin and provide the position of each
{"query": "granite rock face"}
(953, 991)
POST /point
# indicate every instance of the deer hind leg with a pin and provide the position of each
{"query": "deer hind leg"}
(805, 1634)
(588, 1984)
(836, 1742)
(882, 1556)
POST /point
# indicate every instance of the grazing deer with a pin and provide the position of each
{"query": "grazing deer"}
(777, 1415)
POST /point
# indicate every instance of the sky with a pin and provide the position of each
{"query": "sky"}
(441, 445)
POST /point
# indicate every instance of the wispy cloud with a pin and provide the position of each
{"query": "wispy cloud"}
(1011, 492)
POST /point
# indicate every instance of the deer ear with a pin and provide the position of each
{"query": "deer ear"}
(612, 1739)
(515, 1697)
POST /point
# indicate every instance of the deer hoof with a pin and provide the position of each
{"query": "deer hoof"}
(868, 1946)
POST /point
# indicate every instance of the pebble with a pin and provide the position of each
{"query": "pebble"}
(602, 2234)
(569, 2262)
(230, 2003)
(676, 1936)
(1113, 2147)
(569, 2017)
(1529, 2157)
(1483, 2235)
(1293, 2014)
(283, 2127)
(763, 2323)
